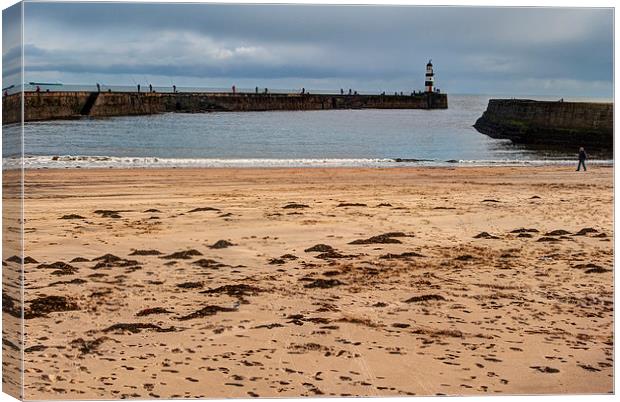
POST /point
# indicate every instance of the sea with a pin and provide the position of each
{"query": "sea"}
(331, 138)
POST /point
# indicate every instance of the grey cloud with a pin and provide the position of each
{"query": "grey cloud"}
(11, 45)
(361, 43)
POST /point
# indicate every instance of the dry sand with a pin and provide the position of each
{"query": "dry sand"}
(407, 295)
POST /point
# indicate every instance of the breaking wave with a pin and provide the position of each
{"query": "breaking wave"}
(92, 162)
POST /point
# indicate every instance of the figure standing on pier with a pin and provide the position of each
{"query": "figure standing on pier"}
(430, 77)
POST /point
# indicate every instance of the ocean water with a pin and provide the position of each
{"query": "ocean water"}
(281, 139)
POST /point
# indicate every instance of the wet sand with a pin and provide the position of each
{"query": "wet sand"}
(306, 282)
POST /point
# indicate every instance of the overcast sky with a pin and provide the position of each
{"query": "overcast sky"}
(519, 51)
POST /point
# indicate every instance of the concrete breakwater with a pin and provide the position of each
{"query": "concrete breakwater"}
(555, 124)
(67, 105)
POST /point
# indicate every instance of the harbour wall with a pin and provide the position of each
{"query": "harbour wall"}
(556, 124)
(68, 105)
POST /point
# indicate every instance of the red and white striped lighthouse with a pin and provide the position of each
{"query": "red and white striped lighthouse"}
(430, 77)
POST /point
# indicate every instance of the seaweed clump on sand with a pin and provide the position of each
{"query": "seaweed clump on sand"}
(209, 263)
(11, 306)
(558, 232)
(17, 259)
(206, 311)
(548, 239)
(380, 239)
(42, 306)
(112, 261)
(106, 213)
(439, 333)
(545, 369)
(485, 235)
(221, 244)
(72, 216)
(240, 291)
(152, 310)
(59, 267)
(386, 238)
(405, 255)
(294, 205)
(585, 231)
(424, 298)
(282, 259)
(76, 281)
(202, 209)
(323, 283)
(190, 285)
(136, 327)
(524, 230)
(597, 270)
(351, 204)
(182, 255)
(146, 252)
(333, 254)
(319, 248)
(88, 346)
(56, 265)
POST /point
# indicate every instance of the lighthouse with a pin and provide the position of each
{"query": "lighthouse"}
(430, 79)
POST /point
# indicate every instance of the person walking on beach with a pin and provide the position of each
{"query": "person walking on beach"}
(582, 159)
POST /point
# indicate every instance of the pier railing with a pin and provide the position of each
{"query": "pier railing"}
(185, 89)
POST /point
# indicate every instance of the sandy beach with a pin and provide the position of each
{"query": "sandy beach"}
(318, 282)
